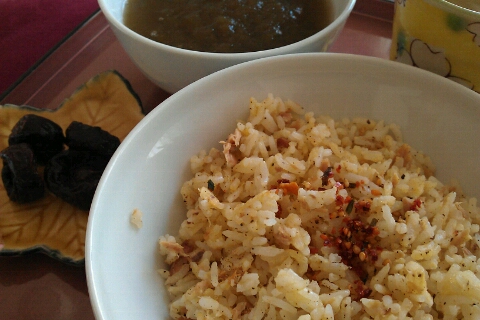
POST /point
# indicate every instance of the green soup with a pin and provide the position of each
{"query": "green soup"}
(227, 25)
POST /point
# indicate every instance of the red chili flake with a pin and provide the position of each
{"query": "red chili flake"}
(361, 290)
(371, 230)
(417, 203)
(187, 247)
(339, 200)
(373, 253)
(313, 250)
(363, 205)
(278, 214)
(339, 168)
(326, 240)
(355, 242)
(310, 274)
(282, 143)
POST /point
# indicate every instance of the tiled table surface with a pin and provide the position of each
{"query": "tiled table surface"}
(94, 49)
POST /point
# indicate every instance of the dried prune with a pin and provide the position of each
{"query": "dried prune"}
(20, 176)
(44, 136)
(73, 176)
(80, 136)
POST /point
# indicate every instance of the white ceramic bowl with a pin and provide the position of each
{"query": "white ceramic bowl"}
(173, 68)
(436, 115)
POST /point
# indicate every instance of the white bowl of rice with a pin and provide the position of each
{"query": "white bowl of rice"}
(310, 186)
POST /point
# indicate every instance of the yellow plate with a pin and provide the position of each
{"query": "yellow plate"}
(51, 225)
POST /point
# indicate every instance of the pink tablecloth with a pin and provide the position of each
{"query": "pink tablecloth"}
(30, 28)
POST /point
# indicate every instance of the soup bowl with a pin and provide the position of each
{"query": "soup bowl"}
(436, 116)
(173, 68)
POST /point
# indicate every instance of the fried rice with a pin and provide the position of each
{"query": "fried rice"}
(300, 216)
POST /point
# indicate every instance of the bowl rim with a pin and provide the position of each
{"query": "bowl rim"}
(335, 24)
(454, 8)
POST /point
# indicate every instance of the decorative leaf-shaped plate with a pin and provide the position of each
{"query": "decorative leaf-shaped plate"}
(51, 225)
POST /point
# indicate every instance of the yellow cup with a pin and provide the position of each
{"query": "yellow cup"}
(439, 36)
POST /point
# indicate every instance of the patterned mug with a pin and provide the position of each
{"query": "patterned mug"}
(439, 36)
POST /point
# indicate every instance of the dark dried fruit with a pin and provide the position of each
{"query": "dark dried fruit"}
(73, 176)
(44, 136)
(84, 137)
(20, 177)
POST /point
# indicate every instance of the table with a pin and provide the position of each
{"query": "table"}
(35, 286)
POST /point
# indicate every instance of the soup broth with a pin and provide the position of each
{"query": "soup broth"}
(227, 25)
